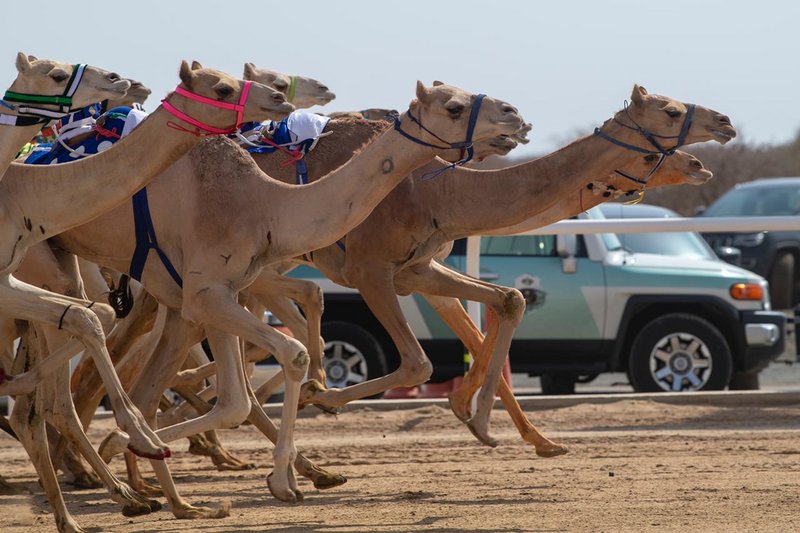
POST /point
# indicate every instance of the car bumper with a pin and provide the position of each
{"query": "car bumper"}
(764, 335)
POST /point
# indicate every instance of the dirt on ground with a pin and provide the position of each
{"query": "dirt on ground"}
(633, 466)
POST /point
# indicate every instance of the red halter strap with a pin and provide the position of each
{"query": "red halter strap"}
(202, 129)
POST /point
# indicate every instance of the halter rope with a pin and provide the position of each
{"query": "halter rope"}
(464, 146)
(202, 129)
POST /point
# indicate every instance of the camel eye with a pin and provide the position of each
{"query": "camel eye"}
(651, 158)
(280, 85)
(224, 91)
(455, 110)
(673, 113)
(59, 76)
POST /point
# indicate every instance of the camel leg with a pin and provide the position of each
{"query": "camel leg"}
(455, 316)
(278, 292)
(28, 424)
(376, 284)
(30, 303)
(135, 479)
(507, 305)
(60, 412)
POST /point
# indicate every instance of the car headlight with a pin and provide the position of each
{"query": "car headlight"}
(749, 240)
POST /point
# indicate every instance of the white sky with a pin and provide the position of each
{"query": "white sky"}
(567, 65)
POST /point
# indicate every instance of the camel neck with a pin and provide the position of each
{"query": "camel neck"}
(12, 139)
(482, 201)
(59, 197)
(346, 196)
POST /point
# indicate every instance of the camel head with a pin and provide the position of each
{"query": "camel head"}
(262, 102)
(665, 117)
(137, 94)
(445, 111)
(678, 169)
(47, 77)
(301, 91)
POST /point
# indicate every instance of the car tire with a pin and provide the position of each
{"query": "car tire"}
(557, 383)
(679, 352)
(781, 281)
(352, 355)
(744, 381)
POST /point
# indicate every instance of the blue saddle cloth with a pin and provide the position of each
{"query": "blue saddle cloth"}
(104, 138)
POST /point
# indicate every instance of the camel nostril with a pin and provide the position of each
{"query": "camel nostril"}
(113, 76)
(723, 119)
(509, 109)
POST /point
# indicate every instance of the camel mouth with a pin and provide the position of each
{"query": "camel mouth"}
(723, 135)
(699, 177)
(325, 98)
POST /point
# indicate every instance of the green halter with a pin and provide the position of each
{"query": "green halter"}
(64, 100)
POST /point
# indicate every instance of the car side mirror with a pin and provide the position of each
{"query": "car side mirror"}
(566, 246)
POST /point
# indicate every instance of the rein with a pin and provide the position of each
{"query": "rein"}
(40, 115)
(652, 138)
(466, 146)
(202, 129)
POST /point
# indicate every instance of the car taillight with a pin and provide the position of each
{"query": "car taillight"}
(747, 291)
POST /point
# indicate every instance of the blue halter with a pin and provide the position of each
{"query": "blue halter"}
(652, 139)
(466, 146)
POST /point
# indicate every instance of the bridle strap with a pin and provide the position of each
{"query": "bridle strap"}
(465, 146)
(33, 115)
(201, 128)
(652, 139)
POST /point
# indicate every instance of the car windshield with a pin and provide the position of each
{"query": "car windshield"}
(772, 200)
(609, 239)
(680, 244)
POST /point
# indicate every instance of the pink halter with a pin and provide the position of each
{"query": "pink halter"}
(202, 129)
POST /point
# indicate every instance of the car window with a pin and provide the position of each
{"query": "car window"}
(536, 245)
(683, 244)
(781, 200)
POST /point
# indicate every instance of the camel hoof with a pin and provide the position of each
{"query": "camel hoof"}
(224, 464)
(191, 512)
(159, 456)
(308, 391)
(86, 480)
(553, 451)
(464, 416)
(288, 496)
(484, 438)
(137, 509)
(328, 481)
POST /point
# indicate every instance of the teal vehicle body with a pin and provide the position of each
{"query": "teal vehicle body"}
(596, 305)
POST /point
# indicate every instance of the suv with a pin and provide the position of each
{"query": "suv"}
(772, 254)
(673, 323)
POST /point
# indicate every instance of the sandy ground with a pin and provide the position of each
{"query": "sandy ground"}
(634, 465)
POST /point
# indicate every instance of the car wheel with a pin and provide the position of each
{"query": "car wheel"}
(744, 381)
(781, 282)
(352, 355)
(679, 352)
(558, 383)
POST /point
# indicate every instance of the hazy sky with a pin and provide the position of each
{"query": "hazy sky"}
(566, 65)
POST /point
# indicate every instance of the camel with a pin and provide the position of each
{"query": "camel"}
(373, 113)
(217, 256)
(383, 245)
(384, 257)
(65, 186)
(301, 91)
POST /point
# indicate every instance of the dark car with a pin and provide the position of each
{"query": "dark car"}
(772, 254)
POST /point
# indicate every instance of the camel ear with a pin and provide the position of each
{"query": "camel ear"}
(638, 94)
(186, 74)
(423, 95)
(23, 63)
(436, 83)
(249, 70)
(196, 65)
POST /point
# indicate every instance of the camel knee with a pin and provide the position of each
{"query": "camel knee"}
(105, 313)
(235, 412)
(84, 323)
(312, 297)
(415, 373)
(510, 305)
(294, 358)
